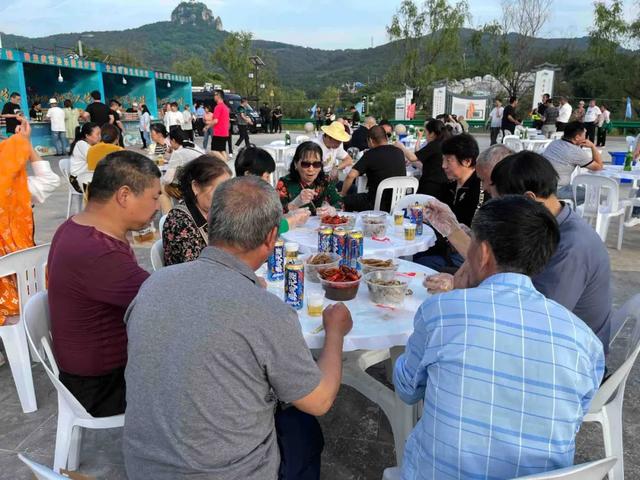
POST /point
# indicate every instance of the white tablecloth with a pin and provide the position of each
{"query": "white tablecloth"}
(396, 246)
(374, 327)
(617, 172)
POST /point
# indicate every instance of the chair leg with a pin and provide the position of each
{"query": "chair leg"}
(69, 204)
(74, 450)
(63, 437)
(612, 431)
(602, 227)
(15, 344)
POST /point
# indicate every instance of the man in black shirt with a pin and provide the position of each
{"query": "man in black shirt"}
(35, 114)
(382, 161)
(114, 111)
(360, 136)
(97, 112)
(459, 155)
(355, 116)
(11, 112)
(509, 119)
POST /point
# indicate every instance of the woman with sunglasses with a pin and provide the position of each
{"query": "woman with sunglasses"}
(307, 185)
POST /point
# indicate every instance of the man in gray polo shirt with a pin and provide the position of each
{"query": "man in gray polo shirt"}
(211, 352)
(567, 153)
(578, 276)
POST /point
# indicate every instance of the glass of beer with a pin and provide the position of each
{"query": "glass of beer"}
(315, 302)
(409, 231)
(398, 217)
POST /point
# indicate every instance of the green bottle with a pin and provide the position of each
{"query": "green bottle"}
(628, 161)
(287, 138)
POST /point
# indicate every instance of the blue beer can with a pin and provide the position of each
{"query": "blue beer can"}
(275, 263)
(417, 218)
(294, 284)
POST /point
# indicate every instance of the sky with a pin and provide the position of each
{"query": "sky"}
(327, 24)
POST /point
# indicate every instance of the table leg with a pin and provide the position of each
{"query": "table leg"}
(402, 417)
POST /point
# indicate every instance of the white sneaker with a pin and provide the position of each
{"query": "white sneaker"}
(632, 222)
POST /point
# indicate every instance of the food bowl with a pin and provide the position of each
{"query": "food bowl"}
(374, 223)
(339, 290)
(375, 263)
(341, 219)
(311, 269)
(386, 287)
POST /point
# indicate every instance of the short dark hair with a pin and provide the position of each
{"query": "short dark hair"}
(34, 103)
(96, 95)
(384, 121)
(119, 169)
(219, 92)
(525, 172)
(243, 99)
(438, 128)
(254, 161)
(67, 103)
(202, 170)
(109, 133)
(463, 147)
(113, 100)
(522, 233)
(303, 151)
(14, 95)
(159, 128)
(512, 99)
(174, 104)
(546, 95)
(377, 135)
(573, 129)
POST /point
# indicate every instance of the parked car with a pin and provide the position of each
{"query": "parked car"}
(232, 100)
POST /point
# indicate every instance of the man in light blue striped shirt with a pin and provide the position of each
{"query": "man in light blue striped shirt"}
(506, 375)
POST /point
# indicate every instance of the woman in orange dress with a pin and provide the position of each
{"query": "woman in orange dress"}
(16, 193)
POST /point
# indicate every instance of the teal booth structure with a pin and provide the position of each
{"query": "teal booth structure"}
(173, 88)
(37, 78)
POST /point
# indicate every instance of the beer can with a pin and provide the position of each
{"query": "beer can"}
(294, 284)
(340, 246)
(325, 240)
(417, 218)
(275, 263)
(356, 248)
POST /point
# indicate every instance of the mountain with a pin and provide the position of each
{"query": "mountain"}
(195, 31)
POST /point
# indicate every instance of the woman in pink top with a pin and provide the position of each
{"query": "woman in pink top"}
(208, 120)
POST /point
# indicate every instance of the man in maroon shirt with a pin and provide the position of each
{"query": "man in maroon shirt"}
(94, 275)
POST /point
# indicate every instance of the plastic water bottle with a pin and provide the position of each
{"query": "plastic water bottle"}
(287, 138)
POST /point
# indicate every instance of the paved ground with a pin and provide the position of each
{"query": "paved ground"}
(359, 444)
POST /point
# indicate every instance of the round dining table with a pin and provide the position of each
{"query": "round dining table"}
(392, 244)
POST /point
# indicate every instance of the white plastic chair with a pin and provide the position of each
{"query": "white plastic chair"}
(586, 471)
(287, 155)
(602, 202)
(513, 142)
(64, 165)
(302, 138)
(411, 200)
(40, 471)
(606, 406)
(557, 135)
(163, 218)
(400, 185)
(72, 416)
(272, 151)
(157, 255)
(29, 267)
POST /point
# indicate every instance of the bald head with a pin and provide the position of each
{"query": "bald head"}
(369, 122)
(487, 160)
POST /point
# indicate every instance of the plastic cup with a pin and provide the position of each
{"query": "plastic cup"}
(315, 302)
(398, 217)
(409, 231)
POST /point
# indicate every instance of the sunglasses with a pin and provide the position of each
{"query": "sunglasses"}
(305, 164)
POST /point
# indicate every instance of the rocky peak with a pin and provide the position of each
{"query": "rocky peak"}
(195, 13)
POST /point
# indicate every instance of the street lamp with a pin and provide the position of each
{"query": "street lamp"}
(257, 63)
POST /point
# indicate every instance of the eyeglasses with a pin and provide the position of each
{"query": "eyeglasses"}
(305, 164)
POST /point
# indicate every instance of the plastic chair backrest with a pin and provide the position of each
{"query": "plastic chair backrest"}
(601, 193)
(287, 155)
(400, 185)
(513, 142)
(40, 471)
(302, 138)
(271, 151)
(410, 200)
(29, 266)
(65, 167)
(615, 384)
(38, 328)
(157, 255)
(163, 219)
(585, 471)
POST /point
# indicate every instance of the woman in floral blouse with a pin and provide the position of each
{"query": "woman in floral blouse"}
(184, 234)
(307, 185)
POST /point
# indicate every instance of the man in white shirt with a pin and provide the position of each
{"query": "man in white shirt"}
(591, 119)
(495, 117)
(334, 157)
(565, 114)
(187, 122)
(55, 115)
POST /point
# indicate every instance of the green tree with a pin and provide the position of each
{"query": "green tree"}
(232, 57)
(609, 29)
(196, 69)
(429, 37)
(330, 98)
